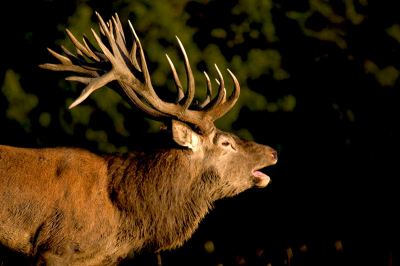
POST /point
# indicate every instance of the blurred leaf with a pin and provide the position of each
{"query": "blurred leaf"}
(20, 103)
(44, 119)
(287, 103)
(352, 14)
(259, 62)
(387, 76)
(81, 114)
(259, 12)
(394, 31)
(219, 33)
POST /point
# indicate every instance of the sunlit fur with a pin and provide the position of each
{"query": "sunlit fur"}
(70, 206)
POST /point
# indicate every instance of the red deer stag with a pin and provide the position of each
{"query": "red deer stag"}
(67, 206)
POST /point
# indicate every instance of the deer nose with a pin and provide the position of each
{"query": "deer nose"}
(274, 156)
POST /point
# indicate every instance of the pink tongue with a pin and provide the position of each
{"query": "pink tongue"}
(260, 175)
(263, 178)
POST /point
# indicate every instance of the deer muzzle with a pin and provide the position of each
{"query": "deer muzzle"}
(261, 179)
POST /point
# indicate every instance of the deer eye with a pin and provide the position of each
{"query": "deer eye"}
(228, 144)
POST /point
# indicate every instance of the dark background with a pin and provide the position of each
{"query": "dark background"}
(319, 82)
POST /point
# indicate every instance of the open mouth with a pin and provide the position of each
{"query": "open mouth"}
(262, 180)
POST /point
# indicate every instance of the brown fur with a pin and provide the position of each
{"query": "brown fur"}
(67, 206)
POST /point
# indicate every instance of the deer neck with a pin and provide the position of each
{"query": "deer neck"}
(160, 192)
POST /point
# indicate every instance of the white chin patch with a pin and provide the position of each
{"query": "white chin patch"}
(262, 179)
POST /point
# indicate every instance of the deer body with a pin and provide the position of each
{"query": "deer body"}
(67, 206)
(55, 203)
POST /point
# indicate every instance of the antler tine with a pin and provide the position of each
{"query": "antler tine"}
(224, 98)
(109, 34)
(132, 54)
(121, 44)
(80, 60)
(80, 47)
(110, 28)
(144, 69)
(67, 65)
(221, 109)
(64, 60)
(92, 49)
(103, 31)
(118, 26)
(105, 50)
(220, 96)
(84, 80)
(92, 85)
(177, 82)
(190, 80)
(93, 55)
(117, 46)
(71, 56)
(221, 90)
(209, 91)
(79, 54)
(118, 37)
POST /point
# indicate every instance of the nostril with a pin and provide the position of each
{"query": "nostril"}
(274, 155)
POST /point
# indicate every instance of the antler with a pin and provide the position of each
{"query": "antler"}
(116, 63)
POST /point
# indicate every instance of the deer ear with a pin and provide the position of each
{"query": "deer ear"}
(183, 135)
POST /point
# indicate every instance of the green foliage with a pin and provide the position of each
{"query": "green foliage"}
(44, 119)
(261, 61)
(386, 76)
(394, 31)
(20, 103)
(256, 12)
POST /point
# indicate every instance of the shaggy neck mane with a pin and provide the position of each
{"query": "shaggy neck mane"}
(163, 212)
